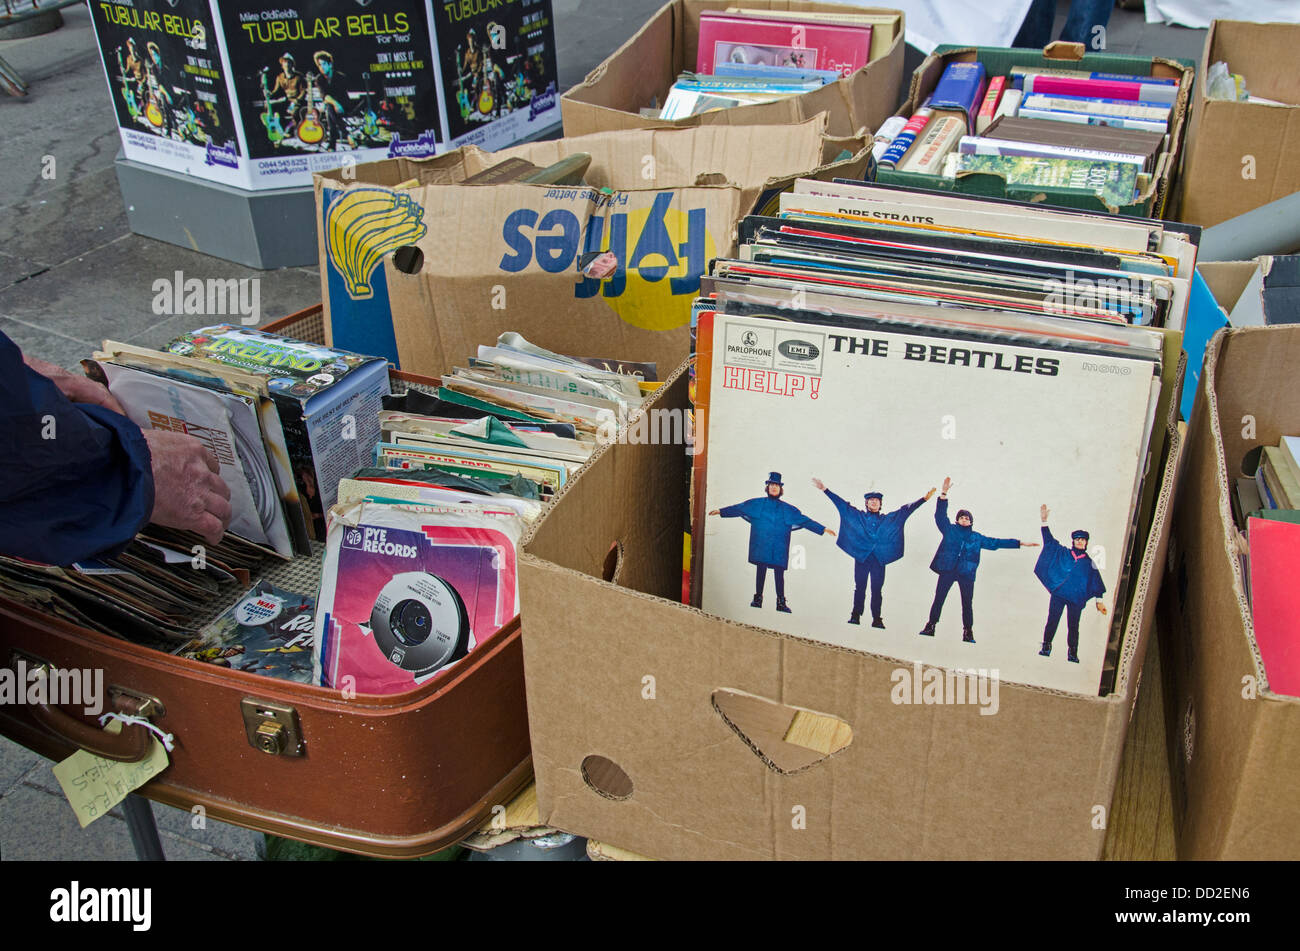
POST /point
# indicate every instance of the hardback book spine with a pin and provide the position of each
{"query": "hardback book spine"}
(1084, 118)
(941, 135)
(1108, 107)
(989, 108)
(898, 148)
(1100, 89)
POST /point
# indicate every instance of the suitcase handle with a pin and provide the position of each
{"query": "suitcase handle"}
(129, 746)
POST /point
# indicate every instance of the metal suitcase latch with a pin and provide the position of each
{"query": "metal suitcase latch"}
(272, 727)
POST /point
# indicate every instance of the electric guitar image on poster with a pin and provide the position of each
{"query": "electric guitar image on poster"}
(270, 118)
(311, 130)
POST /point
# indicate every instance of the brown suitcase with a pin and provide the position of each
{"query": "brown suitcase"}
(396, 776)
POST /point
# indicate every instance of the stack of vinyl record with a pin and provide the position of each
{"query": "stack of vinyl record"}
(420, 560)
(926, 425)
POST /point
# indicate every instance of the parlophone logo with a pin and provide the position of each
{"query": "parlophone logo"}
(798, 350)
(749, 338)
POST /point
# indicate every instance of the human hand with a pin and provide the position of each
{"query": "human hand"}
(1030, 544)
(830, 532)
(819, 485)
(74, 386)
(1042, 510)
(929, 495)
(188, 492)
(1101, 607)
(714, 512)
(947, 484)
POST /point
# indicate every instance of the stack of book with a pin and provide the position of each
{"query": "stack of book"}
(749, 56)
(873, 348)
(1267, 511)
(1103, 132)
(1274, 492)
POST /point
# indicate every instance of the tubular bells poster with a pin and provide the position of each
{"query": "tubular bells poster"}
(165, 75)
(318, 82)
(498, 70)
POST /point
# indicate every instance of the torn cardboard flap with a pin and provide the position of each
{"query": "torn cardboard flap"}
(482, 260)
(641, 71)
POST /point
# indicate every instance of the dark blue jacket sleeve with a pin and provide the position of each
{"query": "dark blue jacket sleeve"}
(840, 505)
(992, 543)
(941, 515)
(76, 480)
(803, 521)
(734, 511)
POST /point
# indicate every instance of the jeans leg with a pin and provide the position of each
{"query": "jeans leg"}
(967, 586)
(760, 578)
(779, 575)
(1053, 619)
(1084, 15)
(877, 571)
(1072, 627)
(1036, 31)
(941, 594)
(859, 586)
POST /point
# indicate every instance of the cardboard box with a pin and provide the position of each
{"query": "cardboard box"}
(1242, 155)
(641, 71)
(1234, 745)
(483, 259)
(686, 736)
(1151, 203)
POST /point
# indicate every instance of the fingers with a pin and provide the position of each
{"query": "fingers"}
(210, 461)
(215, 484)
(221, 508)
(210, 528)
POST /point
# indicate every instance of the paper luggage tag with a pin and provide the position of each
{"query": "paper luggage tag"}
(95, 785)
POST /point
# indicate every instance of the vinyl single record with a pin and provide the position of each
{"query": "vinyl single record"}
(420, 623)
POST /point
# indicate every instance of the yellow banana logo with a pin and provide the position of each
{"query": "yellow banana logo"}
(364, 224)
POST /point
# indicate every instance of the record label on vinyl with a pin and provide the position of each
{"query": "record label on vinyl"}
(420, 622)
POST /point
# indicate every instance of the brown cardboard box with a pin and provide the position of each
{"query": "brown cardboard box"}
(1234, 745)
(680, 735)
(642, 70)
(1242, 155)
(493, 258)
(1153, 200)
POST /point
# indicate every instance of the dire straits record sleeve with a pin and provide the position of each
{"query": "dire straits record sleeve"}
(820, 492)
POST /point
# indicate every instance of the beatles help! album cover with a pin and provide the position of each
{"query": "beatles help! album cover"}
(823, 443)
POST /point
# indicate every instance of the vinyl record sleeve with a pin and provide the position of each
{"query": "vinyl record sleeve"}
(228, 425)
(369, 545)
(1014, 426)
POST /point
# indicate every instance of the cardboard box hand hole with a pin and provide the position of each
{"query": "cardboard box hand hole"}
(408, 259)
(786, 738)
(606, 778)
(613, 563)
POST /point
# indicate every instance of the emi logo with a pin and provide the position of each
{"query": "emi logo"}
(798, 350)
